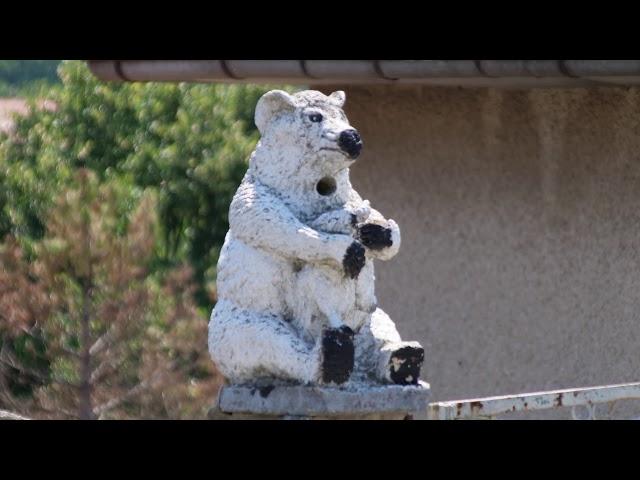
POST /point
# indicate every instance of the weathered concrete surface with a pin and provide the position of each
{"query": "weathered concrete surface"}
(520, 267)
(353, 401)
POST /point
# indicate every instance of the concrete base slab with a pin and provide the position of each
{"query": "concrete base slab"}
(299, 401)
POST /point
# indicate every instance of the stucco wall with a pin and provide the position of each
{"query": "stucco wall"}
(520, 215)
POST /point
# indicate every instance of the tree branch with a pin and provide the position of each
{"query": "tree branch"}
(71, 353)
(28, 371)
(34, 373)
(102, 342)
(58, 411)
(116, 402)
(137, 390)
(104, 367)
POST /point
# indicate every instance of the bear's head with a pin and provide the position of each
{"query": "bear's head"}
(306, 147)
(311, 123)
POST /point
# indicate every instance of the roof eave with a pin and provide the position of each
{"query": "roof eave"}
(471, 73)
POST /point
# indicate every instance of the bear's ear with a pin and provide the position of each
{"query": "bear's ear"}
(269, 104)
(338, 98)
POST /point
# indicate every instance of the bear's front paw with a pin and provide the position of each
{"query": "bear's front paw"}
(362, 212)
(354, 260)
(375, 237)
(338, 353)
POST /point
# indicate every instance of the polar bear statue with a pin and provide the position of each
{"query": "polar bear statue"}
(296, 300)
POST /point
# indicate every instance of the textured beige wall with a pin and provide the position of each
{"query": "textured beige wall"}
(520, 215)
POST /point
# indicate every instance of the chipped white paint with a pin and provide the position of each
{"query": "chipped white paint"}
(571, 398)
(281, 277)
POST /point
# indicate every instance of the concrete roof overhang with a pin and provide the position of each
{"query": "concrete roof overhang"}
(469, 73)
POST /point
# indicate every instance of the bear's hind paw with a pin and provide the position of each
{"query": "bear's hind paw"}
(337, 355)
(405, 364)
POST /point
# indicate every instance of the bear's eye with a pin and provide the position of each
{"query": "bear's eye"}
(315, 117)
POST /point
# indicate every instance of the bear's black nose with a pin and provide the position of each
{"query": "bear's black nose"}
(350, 143)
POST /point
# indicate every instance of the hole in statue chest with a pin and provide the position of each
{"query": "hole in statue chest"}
(326, 186)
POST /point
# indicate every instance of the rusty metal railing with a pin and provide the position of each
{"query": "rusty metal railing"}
(491, 407)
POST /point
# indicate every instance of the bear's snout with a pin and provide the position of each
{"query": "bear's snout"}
(350, 143)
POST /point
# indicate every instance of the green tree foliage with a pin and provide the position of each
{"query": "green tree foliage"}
(187, 142)
(113, 208)
(18, 77)
(88, 328)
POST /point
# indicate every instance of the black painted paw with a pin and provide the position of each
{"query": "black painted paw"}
(337, 355)
(354, 260)
(375, 237)
(405, 364)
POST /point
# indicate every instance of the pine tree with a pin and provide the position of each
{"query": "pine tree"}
(103, 339)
